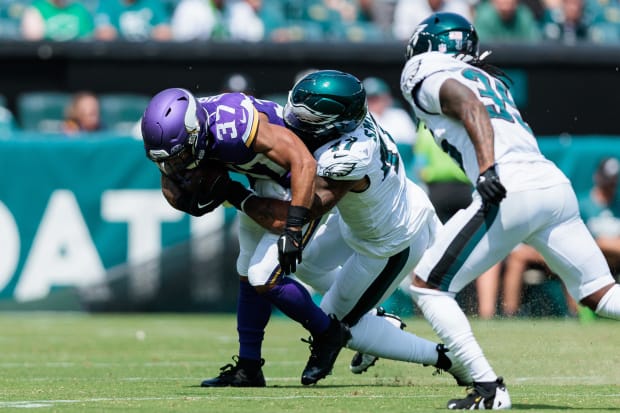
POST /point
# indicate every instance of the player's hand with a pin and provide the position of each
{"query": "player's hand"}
(289, 250)
(198, 191)
(490, 188)
(205, 201)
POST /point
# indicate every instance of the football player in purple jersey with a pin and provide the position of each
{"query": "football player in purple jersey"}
(184, 136)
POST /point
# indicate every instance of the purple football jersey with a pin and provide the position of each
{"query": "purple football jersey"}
(232, 127)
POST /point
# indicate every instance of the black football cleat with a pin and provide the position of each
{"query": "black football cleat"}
(484, 396)
(244, 373)
(324, 350)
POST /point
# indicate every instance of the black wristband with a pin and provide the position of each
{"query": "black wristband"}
(298, 216)
(237, 193)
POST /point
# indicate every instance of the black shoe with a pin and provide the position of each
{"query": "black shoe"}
(324, 350)
(484, 396)
(245, 373)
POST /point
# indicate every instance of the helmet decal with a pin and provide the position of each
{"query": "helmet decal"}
(416, 34)
(192, 125)
(158, 154)
(306, 114)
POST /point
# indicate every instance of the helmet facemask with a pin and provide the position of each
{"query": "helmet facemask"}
(186, 147)
(178, 162)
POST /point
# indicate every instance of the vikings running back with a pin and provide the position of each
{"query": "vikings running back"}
(182, 134)
(520, 196)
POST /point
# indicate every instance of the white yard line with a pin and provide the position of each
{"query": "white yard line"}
(49, 403)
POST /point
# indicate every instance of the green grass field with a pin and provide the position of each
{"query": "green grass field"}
(152, 363)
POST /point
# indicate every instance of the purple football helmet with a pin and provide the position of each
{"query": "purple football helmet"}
(174, 131)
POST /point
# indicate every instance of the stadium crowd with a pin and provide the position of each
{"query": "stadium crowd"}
(566, 21)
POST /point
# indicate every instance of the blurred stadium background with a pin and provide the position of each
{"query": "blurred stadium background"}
(83, 225)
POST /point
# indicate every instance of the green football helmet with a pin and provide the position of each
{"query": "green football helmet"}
(325, 104)
(444, 32)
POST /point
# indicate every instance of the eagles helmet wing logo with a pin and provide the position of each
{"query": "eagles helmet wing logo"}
(415, 37)
(416, 33)
(307, 114)
(337, 169)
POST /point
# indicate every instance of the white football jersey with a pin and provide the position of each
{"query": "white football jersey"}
(381, 220)
(520, 163)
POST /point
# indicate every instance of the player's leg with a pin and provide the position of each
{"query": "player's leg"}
(468, 245)
(253, 313)
(381, 336)
(362, 284)
(322, 264)
(571, 252)
(329, 334)
(287, 294)
(365, 280)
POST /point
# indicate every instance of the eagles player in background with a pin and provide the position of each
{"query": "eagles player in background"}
(520, 195)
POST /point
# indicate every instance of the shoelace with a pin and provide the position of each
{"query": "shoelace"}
(229, 368)
(309, 342)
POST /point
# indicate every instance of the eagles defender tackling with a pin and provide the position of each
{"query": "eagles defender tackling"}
(385, 221)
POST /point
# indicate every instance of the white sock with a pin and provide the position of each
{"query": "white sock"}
(450, 323)
(377, 336)
(609, 306)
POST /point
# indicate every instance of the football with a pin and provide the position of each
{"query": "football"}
(202, 179)
(183, 192)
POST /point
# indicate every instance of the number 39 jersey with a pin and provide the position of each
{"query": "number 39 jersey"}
(381, 220)
(520, 162)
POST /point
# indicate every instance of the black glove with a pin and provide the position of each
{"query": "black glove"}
(289, 243)
(490, 188)
(289, 250)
